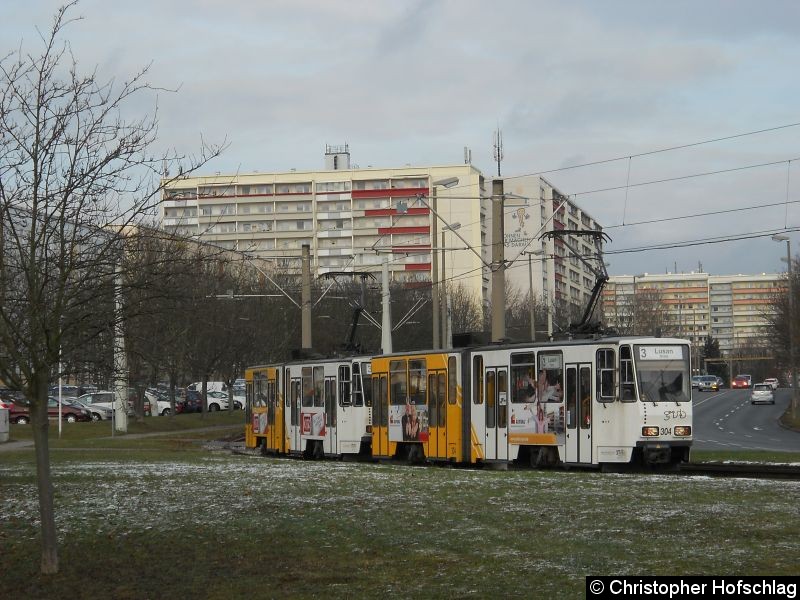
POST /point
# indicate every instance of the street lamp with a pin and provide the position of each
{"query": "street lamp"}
(445, 183)
(784, 238)
(447, 338)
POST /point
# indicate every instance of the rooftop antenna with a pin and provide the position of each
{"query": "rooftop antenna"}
(498, 148)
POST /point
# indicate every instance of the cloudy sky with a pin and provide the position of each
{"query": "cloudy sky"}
(414, 82)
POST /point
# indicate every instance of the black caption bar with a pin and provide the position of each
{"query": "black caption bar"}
(679, 588)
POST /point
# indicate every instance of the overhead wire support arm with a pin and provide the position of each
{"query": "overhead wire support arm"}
(600, 273)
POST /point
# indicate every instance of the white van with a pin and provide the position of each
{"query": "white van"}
(211, 386)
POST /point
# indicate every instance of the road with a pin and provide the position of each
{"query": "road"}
(726, 420)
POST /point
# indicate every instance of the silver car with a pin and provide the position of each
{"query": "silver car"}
(762, 394)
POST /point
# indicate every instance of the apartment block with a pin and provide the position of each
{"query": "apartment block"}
(733, 309)
(354, 218)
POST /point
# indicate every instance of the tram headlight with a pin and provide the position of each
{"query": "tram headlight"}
(682, 430)
(369, 428)
(650, 431)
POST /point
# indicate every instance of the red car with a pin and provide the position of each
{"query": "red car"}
(21, 414)
(741, 382)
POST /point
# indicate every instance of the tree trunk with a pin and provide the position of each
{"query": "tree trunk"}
(40, 424)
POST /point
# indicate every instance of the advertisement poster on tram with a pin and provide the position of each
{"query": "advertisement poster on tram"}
(260, 423)
(537, 408)
(313, 424)
(408, 423)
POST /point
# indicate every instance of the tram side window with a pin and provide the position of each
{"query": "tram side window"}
(295, 393)
(319, 387)
(442, 407)
(287, 396)
(330, 402)
(383, 401)
(357, 397)
(367, 389)
(377, 406)
(572, 398)
(434, 399)
(550, 380)
(344, 385)
(260, 398)
(477, 380)
(490, 398)
(398, 376)
(308, 388)
(417, 381)
(523, 383)
(586, 397)
(605, 375)
(452, 383)
(627, 381)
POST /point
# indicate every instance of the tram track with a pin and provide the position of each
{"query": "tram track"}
(752, 470)
(710, 469)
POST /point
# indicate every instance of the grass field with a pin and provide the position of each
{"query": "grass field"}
(169, 519)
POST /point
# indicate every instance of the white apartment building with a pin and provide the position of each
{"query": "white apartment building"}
(353, 218)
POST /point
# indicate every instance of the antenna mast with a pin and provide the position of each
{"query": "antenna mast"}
(498, 148)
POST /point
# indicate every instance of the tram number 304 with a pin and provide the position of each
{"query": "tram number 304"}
(666, 431)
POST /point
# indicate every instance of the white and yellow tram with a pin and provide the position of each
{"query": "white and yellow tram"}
(312, 407)
(583, 402)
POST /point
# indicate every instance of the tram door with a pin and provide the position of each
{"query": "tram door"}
(331, 446)
(294, 399)
(496, 403)
(437, 414)
(579, 413)
(380, 418)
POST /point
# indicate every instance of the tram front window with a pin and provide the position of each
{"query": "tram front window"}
(663, 373)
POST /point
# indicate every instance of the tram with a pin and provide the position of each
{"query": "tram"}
(313, 408)
(584, 402)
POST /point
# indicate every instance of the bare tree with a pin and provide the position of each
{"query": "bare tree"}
(643, 313)
(74, 176)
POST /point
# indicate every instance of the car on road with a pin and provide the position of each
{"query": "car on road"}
(773, 382)
(720, 382)
(762, 394)
(20, 413)
(696, 381)
(707, 383)
(741, 382)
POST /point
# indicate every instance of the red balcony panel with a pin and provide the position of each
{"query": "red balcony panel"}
(389, 230)
(391, 212)
(390, 193)
(418, 267)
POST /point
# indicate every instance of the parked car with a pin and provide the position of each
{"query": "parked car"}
(98, 412)
(762, 394)
(103, 399)
(67, 391)
(219, 401)
(773, 382)
(707, 383)
(21, 413)
(741, 382)
(192, 402)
